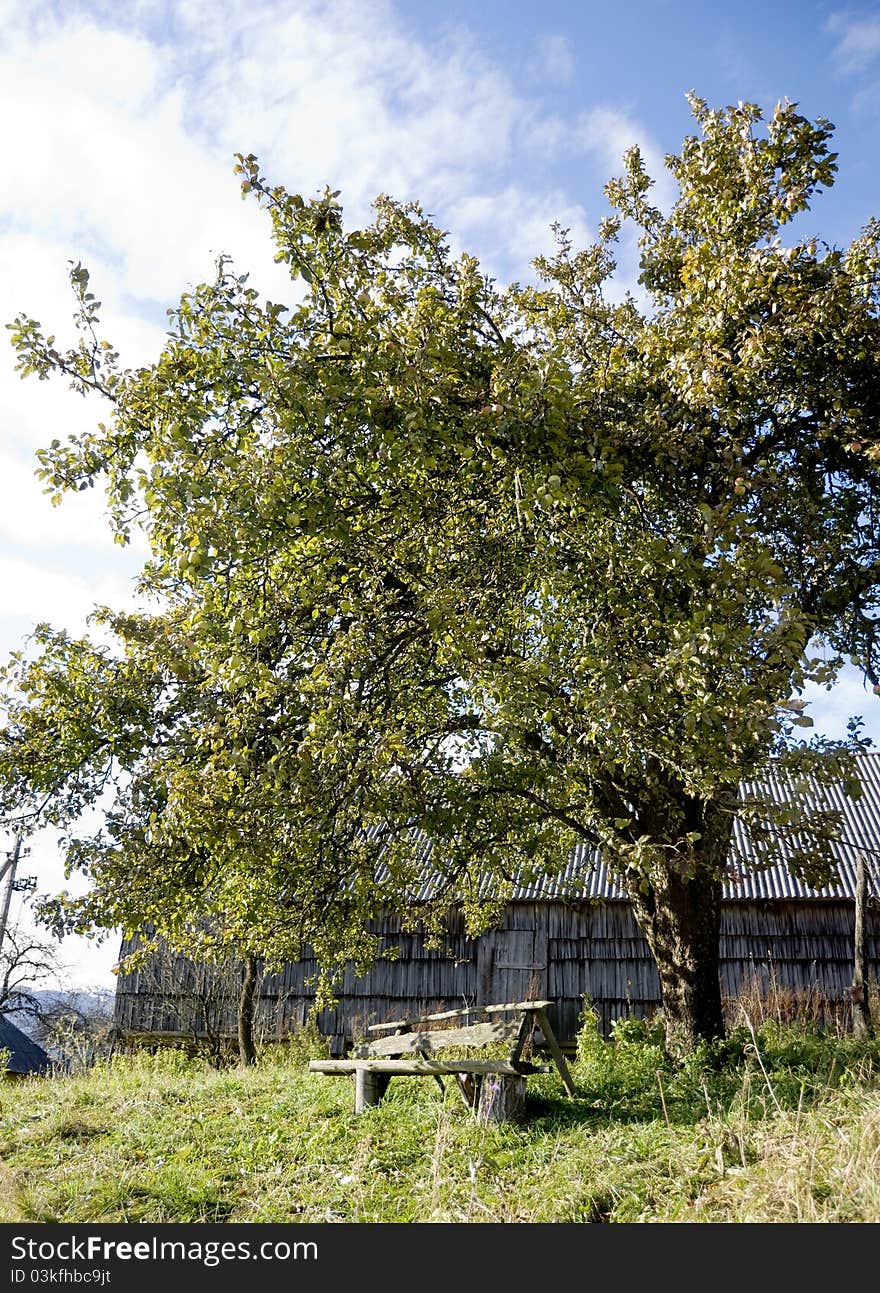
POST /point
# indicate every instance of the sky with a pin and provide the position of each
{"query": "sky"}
(119, 125)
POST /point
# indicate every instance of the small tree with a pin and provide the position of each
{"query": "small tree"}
(203, 997)
(76, 1027)
(27, 964)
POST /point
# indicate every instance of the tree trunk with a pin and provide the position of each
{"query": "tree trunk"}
(680, 916)
(246, 1050)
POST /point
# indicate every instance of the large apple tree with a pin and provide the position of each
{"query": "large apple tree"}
(513, 568)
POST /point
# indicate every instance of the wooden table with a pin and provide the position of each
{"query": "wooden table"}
(495, 1087)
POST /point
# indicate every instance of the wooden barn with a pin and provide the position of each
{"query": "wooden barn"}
(564, 940)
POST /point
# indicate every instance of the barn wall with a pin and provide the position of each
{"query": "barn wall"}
(785, 949)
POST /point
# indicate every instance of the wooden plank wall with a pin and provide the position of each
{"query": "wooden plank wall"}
(795, 952)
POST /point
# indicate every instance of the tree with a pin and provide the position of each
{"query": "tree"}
(186, 850)
(204, 1000)
(76, 1027)
(513, 568)
(27, 964)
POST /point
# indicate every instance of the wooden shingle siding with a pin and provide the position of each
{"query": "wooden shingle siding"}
(562, 951)
(564, 938)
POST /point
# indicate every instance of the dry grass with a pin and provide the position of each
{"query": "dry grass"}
(772, 1002)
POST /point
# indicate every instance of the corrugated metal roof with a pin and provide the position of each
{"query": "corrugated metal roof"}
(25, 1056)
(585, 875)
(859, 831)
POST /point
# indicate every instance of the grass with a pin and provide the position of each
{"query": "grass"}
(780, 1123)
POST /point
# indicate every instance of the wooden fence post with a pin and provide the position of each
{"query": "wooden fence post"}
(862, 1024)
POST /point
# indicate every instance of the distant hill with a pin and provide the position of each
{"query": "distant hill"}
(89, 1002)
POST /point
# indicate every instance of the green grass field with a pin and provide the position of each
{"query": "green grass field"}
(782, 1124)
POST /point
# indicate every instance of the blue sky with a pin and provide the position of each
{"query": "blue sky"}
(119, 124)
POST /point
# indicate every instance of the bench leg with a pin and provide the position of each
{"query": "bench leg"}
(369, 1089)
(469, 1086)
(502, 1099)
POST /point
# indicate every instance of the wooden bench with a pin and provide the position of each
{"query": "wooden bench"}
(495, 1088)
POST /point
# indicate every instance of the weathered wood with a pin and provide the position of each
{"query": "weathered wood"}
(369, 1089)
(502, 1099)
(553, 1047)
(416, 1068)
(468, 1085)
(512, 960)
(437, 1078)
(861, 1013)
(525, 1034)
(170, 1035)
(796, 953)
(423, 1019)
(494, 1089)
(518, 1005)
(453, 1014)
(442, 1039)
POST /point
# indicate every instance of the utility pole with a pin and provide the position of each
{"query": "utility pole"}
(11, 885)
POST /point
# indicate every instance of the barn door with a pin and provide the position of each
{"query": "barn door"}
(514, 965)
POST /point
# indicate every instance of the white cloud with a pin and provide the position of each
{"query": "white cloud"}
(124, 128)
(130, 138)
(118, 172)
(33, 280)
(553, 60)
(336, 94)
(28, 518)
(83, 962)
(609, 133)
(830, 710)
(31, 592)
(516, 217)
(857, 39)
